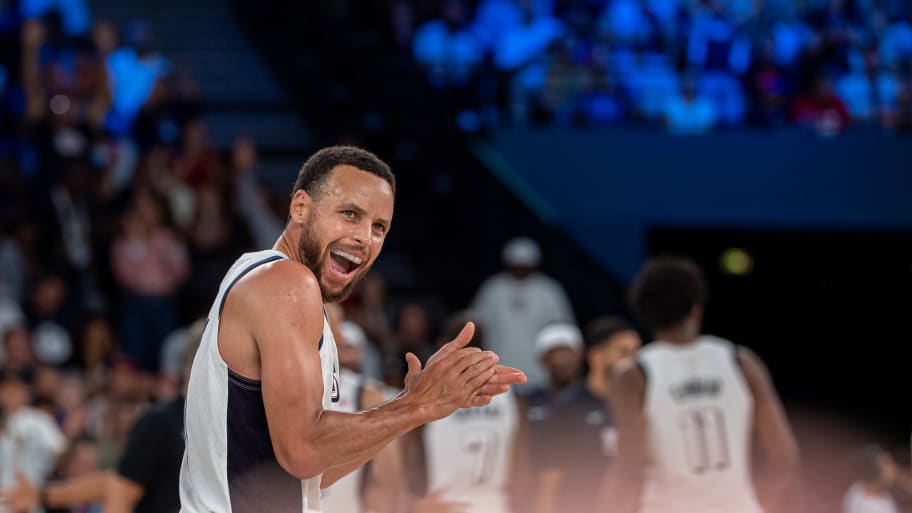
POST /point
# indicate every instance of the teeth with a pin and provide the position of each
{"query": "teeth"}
(348, 256)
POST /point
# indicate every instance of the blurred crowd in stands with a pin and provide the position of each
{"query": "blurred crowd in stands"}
(690, 65)
(118, 220)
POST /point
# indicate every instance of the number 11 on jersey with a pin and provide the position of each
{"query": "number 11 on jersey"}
(705, 439)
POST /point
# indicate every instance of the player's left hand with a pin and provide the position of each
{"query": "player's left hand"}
(498, 384)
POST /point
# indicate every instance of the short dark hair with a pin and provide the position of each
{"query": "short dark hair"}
(601, 329)
(666, 290)
(314, 172)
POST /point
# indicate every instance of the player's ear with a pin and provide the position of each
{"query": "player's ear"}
(299, 209)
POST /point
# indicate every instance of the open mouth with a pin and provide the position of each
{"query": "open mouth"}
(343, 264)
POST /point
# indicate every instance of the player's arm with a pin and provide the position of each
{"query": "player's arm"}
(624, 478)
(76, 492)
(386, 487)
(122, 495)
(773, 431)
(284, 312)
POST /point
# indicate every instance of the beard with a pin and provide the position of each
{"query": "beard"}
(309, 250)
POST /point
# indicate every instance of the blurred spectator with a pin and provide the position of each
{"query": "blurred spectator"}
(368, 309)
(514, 305)
(70, 406)
(651, 81)
(173, 355)
(11, 317)
(252, 199)
(65, 101)
(30, 441)
(564, 86)
(161, 175)
(150, 263)
(689, 113)
(627, 22)
(360, 353)
(217, 236)
(876, 473)
(821, 110)
(789, 36)
(97, 348)
(18, 356)
(75, 13)
(412, 335)
(896, 41)
(447, 47)
(856, 88)
(133, 72)
(767, 84)
(197, 164)
(520, 41)
(602, 104)
(12, 269)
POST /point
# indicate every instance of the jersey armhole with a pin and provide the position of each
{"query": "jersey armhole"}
(243, 273)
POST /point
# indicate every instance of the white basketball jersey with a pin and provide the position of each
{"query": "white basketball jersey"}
(470, 454)
(229, 465)
(699, 411)
(344, 496)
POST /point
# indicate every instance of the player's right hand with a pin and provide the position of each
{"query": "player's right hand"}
(455, 377)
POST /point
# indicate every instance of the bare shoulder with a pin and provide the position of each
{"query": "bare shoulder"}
(755, 371)
(277, 287)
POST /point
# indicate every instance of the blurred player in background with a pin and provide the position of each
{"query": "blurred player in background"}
(378, 486)
(570, 427)
(473, 461)
(876, 473)
(686, 413)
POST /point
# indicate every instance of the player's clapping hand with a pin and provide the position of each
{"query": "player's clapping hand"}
(434, 502)
(457, 376)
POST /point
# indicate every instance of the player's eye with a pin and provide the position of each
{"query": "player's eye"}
(349, 214)
(380, 228)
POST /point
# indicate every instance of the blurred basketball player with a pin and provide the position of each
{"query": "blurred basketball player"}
(687, 411)
(261, 430)
(378, 486)
(473, 460)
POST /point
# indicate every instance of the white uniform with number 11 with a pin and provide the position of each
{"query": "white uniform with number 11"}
(699, 411)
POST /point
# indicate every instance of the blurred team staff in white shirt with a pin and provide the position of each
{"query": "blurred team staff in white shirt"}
(514, 305)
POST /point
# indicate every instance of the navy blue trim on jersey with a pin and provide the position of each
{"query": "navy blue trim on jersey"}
(256, 481)
(249, 268)
(246, 383)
